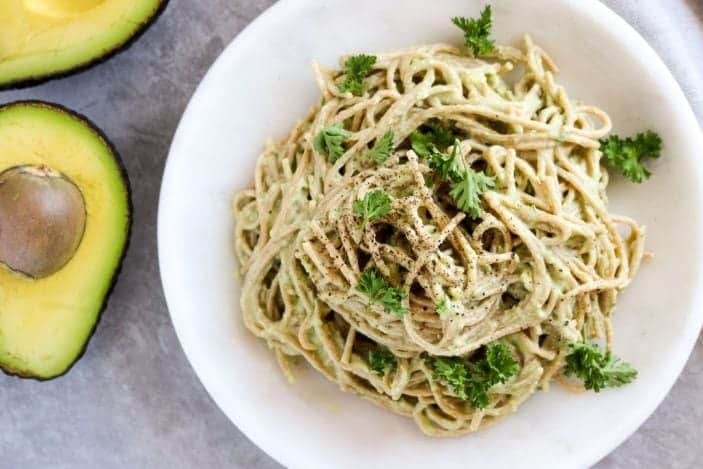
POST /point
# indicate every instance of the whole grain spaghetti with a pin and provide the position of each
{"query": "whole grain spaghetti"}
(537, 262)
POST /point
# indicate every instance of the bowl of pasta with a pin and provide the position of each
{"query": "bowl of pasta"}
(394, 236)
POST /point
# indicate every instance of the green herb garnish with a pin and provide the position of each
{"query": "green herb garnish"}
(381, 361)
(435, 138)
(382, 148)
(468, 187)
(477, 32)
(330, 141)
(597, 369)
(442, 306)
(356, 69)
(374, 205)
(453, 371)
(471, 381)
(378, 290)
(449, 167)
(500, 363)
(627, 154)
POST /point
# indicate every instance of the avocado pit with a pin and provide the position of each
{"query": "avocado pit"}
(42, 220)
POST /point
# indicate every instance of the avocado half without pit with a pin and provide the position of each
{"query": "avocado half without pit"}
(64, 224)
(44, 39)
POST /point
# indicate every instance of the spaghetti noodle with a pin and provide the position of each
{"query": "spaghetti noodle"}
(540, 266)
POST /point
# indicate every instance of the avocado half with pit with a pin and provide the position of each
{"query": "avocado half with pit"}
(65, 217)
(43, 39)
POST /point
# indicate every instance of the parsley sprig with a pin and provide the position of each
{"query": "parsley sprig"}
(597, 369)
(381, 361)
(499, 364)
(330, 141)
(378, 290)
(382, 148)
(466, 185)
(436, 137)
(477, 32)
(442, 306)
(356, 69)
(453, 371)
(627, 154)
(374, 205)
(449, 167)
(471, 381)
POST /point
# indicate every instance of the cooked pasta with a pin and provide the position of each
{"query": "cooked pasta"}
(539, 264)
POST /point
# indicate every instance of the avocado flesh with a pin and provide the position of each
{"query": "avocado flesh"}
(40, 39)
(45, 323)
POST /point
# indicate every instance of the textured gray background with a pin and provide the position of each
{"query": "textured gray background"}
(133, 401)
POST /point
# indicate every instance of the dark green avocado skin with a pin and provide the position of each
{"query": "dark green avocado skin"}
(107, 55)
(125, 178)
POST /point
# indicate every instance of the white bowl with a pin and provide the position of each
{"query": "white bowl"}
(263, 83)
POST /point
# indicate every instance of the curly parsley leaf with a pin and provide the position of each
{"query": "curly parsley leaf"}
(477, 391)
(372, 285)
(627, 154)
(471, 381)
(437, 136)
(381, 361)
(382, 148)
(378, 290)
(374, 205)
(496, 367)
(449, 167)
(597, 369)
(392, 301)
(466, 190)
(466, 185)
(500, 363)
(356, 69)
(477, 32)
(330, 141)
(442, 306)
(442, 135)
(453, 371)
(421, 144)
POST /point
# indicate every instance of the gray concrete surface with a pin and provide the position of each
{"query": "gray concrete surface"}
(133, 401)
